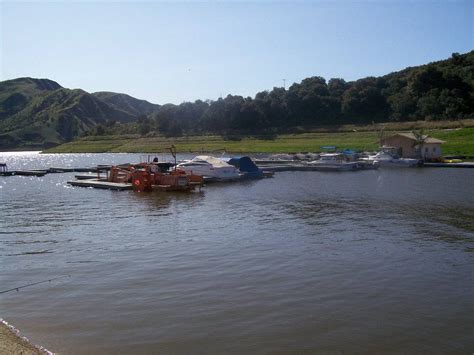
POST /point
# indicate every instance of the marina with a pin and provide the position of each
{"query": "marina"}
(269, 165)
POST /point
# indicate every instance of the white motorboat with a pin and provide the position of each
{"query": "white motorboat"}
(387, 158)
(210, 167)
(334, 162)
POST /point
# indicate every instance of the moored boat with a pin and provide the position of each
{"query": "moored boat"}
(248, 169)
(210, 168)
(334, 162)
(388, 158)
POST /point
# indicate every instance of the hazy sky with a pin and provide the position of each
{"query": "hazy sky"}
(183, 51)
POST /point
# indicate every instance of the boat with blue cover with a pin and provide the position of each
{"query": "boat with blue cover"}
(248, 169)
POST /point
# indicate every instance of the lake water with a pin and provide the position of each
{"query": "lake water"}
(368, 261)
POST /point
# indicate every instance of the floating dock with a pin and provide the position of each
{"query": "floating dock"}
(288, 167)
(314, 167)
(464, 165)
(99, 184)
(24, 173)
(85, 176)
(92, 169)
(54, 170)
(107, 185)
(274, 166)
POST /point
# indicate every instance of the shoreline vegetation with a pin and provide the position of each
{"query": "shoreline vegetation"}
(459, 137)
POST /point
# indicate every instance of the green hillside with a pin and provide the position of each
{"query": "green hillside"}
(37, 113)
(126, 103)
(458, 142)
(16, 94)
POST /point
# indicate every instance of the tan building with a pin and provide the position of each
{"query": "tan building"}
(407, 147)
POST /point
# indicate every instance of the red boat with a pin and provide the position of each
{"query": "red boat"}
(154, 176)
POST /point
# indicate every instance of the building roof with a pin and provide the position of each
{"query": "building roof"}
(411, 136)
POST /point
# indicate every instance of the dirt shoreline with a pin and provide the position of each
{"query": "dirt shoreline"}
(12, 342)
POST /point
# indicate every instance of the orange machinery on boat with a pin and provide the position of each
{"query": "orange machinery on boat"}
(150, 176)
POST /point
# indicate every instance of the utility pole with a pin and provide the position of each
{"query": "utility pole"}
(284, 84)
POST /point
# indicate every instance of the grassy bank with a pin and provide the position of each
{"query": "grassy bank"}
(459, 141)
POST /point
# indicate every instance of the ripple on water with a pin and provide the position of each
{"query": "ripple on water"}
(303, 261)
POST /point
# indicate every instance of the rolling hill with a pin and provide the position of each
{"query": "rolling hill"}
(40, 113)
(126, 103)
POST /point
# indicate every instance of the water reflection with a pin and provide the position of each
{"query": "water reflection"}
(439, 223)
(157, 202)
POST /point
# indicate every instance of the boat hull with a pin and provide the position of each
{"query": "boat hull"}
(335, 166)
(398, 163)
(217, 174)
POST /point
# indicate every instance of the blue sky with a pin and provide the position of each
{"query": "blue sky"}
(182, 51)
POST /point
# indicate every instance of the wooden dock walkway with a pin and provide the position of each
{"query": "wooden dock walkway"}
(303, 167)
(54, 170)
(101, 184)
(287, 167)
(314, 167)
(464, 165)
(24, 172)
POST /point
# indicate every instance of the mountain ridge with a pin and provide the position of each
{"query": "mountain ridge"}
(123, 101)
(37, 113)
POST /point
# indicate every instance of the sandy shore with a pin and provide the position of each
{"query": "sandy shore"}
(11, 342)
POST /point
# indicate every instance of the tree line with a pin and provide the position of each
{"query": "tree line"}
(437, 91)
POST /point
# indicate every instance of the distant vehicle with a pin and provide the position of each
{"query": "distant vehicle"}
(210, 168)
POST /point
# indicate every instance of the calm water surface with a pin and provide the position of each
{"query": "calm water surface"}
(371, 261)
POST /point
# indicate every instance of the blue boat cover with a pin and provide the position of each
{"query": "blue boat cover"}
(244, 164)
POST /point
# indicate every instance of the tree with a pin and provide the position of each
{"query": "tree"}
(420, 139)
(402, 106)
(144, 127)
(337, 87)
(99, 130)
(364, 102)
(425, 80)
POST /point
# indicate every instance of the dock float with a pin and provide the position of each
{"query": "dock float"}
(23, 173)
(85, 177)
(40, 172)
(55, 170)
(287, 167)
(315, 167)
(465, 165)
(101, 184)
